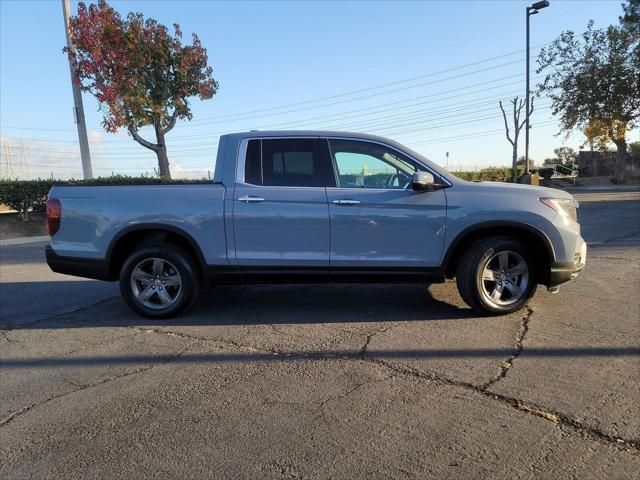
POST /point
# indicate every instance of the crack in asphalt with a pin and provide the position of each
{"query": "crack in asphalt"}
(353, 389)
(6, 338)
(367, 340)
(227, 343)
(561, 419)
(517, 404)
(11, 326)
(8, 418)
(520, 405)
(519, 345)
(611, 258)
(607, 241)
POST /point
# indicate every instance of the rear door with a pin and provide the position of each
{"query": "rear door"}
(380, 225)
(280, 213)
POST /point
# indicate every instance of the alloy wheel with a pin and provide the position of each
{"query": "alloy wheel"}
(505, 278)
(156, 283)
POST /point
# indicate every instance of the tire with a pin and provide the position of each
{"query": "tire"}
(159, 281)
(482, 283)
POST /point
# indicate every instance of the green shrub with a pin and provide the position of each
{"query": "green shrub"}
(490, 174)
(545, 173)
(25, 195)
(470, 176)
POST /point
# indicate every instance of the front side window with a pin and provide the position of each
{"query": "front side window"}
(370, 165)
(291, 162)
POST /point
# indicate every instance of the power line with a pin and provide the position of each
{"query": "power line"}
(353, 92)
(416, 116)
(393, 132)
(473, 135)
(457, 106)
(214, 135)
(211, 149)
(212, 155)
(340, 95)
(391, 103)
(307, 121)
(340, 102)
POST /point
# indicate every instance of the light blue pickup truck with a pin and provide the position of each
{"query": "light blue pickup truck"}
(313, 206)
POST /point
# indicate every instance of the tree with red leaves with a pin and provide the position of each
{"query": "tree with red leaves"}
(140, 73)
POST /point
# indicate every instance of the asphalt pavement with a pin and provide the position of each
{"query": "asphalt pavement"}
(327, 381)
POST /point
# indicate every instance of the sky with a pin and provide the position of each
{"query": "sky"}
(428, 74)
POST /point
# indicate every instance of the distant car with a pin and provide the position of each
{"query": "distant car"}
(310, 206)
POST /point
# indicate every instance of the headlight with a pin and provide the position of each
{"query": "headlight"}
(567, 207)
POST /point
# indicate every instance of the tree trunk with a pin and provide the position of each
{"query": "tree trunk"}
(163, 162)
(161, 152)
(25, 210)
(514, 161)
(621, 157)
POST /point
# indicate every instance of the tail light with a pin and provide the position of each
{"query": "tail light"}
(54, 214)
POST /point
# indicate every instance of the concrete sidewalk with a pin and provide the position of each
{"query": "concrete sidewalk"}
(23, 240)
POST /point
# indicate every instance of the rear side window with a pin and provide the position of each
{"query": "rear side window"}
(287, 163)
(253, 167)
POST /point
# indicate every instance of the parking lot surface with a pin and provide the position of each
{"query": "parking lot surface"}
(327, 381)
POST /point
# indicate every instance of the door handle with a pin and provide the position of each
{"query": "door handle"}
(346, 202)
(250, 199)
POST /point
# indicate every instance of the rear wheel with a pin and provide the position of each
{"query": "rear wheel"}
(159, 281)
(495, 275)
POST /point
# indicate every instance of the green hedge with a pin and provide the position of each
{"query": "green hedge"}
(546, 173)
(25, 195)
(491, 174)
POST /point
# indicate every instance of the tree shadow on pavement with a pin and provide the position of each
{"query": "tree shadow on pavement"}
(240, 356)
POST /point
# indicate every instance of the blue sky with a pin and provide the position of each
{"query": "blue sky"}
(426, 73)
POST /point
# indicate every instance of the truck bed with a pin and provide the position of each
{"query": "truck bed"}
(93, 216)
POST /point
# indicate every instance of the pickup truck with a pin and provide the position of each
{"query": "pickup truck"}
(316, 206)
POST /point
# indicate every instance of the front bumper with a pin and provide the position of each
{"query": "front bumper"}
(561, 272)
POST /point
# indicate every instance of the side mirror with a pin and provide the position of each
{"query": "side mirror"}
(425, 182)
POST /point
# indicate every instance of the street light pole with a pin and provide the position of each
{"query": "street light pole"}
(532, 10)
(83, 139)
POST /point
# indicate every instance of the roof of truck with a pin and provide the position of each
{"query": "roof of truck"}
(310, 133)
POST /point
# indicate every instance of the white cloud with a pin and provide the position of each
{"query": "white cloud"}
(178, 171)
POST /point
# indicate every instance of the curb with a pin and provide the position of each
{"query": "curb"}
(23, 240)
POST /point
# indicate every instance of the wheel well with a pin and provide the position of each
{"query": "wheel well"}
(538, 248)
(128, 242)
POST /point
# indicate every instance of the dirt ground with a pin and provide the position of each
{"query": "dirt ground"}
(12, 225)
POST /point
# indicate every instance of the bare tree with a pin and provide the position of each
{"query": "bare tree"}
(518, 105)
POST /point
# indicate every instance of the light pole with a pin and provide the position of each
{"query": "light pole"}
(532, 10)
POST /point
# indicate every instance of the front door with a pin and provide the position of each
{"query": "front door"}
(280, 212)
(378, 223)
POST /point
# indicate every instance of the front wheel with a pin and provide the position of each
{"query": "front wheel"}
(495, 275)
(159, 281)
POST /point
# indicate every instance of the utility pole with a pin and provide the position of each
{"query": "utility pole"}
(526, 129)
(447, 164)
(77, 102)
